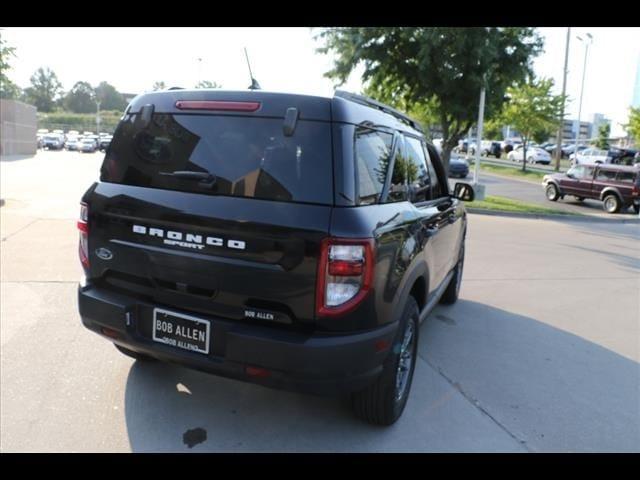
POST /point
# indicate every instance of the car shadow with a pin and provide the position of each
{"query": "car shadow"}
(487, 380)
(556, 391)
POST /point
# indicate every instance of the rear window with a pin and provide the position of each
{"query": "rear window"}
(247, 156)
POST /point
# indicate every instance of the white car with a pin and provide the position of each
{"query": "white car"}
(590, 155)
(534, 155)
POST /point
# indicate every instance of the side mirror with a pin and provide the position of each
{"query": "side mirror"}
(464, 192)
(570, 175)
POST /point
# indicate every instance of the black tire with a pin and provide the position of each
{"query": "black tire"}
(137, 356)
(382, 402)
(636, 208)
(450, 295)
(611, 203)
(551, 192)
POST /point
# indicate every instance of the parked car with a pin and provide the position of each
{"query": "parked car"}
(590, 155)
(488, 148)
(534, 155)
(463, 146)
(617, 186)
(265, 248)
(104, 142)
(458, 166)
(571, 148)
(87, 145)
(622, 156)
(72, 143)
(53, 141)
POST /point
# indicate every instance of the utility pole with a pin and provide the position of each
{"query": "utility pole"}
(479, 189)
(558, 151)
(479, 135)
(584, 71)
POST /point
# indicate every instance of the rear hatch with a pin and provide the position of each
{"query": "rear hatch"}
(214, 207)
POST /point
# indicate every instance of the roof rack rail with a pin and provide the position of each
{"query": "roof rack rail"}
(370, 102)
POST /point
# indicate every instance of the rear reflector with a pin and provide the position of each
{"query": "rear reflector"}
(217, 105)
(110, 332)
(257, 372)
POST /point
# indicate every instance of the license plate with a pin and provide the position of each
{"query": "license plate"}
(182, 331)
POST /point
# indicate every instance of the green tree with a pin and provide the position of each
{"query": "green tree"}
(109, 97)
(80, 99)
(632, 127)
(532, 109)
(8, 89)
(604, 131)
(207, 84)
(441, 67)
(44, 90)
(493, 129)
(159, 86)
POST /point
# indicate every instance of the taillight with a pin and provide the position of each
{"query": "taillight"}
(345, 274)
(83, 228)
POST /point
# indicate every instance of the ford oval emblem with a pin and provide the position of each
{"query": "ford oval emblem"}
(104, 253)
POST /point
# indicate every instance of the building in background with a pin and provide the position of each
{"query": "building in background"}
(599, 120)
(18, 126)
(569, 128)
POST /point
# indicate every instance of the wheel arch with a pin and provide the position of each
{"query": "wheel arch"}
(609, 191)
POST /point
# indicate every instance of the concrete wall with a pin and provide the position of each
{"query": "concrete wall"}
(18, 125)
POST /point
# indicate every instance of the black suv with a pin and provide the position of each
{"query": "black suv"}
(292, 241)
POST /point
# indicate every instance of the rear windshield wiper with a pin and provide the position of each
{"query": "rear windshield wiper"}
(204, 178)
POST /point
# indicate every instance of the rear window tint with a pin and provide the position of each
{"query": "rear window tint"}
(626, 177)
(248, 156)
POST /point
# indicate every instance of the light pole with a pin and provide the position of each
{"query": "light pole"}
(586, 42)
(558, 151)
(97, 117)
(199, 70)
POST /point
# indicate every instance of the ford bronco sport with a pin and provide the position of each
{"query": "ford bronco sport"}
(291, 241)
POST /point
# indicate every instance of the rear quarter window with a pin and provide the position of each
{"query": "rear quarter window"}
(626, 177)
(249, 156)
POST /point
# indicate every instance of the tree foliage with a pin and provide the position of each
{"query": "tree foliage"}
(532, 109)
(604, 131)
(633, 125)
(8, 89)
(441, 67)
(109, 97)
(80, 99)
(44, 90)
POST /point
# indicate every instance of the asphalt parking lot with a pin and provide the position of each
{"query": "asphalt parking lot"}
(540, 354)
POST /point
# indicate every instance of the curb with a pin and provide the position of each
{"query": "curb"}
(551, 216)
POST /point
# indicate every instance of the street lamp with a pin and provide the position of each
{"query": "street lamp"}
(586, 42)
(97, 117)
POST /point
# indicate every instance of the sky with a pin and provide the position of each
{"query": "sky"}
(284, 59)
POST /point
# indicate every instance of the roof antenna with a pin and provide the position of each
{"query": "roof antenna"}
(254, 83)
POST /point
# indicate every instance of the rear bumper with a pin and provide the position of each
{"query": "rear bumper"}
(320, 364)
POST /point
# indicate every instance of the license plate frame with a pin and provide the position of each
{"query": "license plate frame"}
(176, 335)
